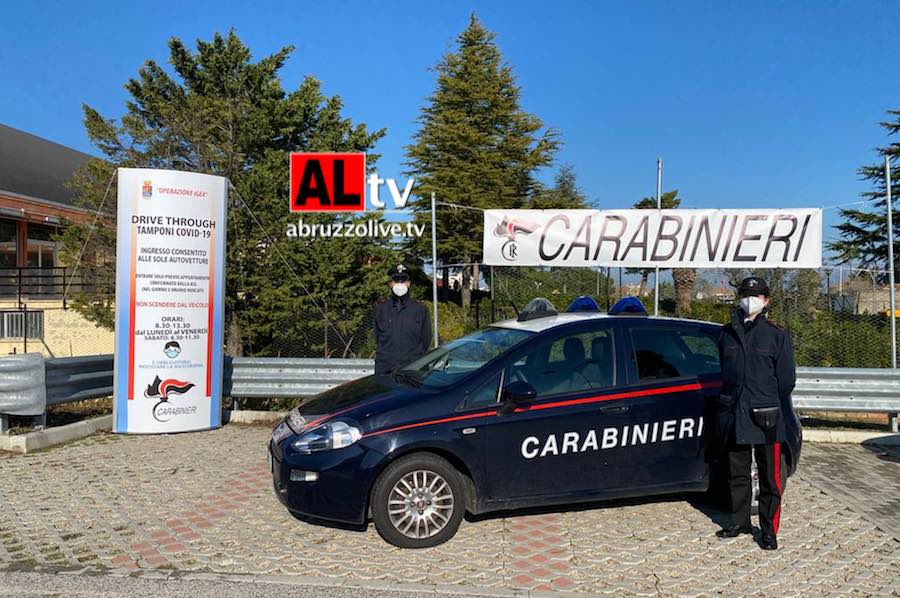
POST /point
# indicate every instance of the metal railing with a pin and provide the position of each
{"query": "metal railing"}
(23, 284)
(67, 379)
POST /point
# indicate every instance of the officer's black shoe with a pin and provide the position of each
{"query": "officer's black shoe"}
(734, 531)
(768, 542)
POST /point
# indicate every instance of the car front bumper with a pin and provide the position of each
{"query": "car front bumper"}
(340, 490)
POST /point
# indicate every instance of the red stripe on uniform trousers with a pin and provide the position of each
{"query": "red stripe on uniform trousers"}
(777, 468)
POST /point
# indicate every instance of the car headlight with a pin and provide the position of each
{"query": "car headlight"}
(330, 436)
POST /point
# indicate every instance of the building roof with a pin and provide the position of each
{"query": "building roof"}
(35, 167)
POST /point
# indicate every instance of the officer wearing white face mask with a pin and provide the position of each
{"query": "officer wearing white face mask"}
(402, 325)
(758, 375)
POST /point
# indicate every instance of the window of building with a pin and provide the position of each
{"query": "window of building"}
(8, 240)
(42, 250)
(20, 324)
(674, 353)
(574, 363)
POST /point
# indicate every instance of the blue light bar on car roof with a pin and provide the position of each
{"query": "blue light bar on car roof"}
(628, 305)
(583, 303)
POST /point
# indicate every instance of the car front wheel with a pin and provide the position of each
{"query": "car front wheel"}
(418, 501)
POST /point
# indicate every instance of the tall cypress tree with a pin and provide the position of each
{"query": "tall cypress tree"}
(863, 233)
(476, 147)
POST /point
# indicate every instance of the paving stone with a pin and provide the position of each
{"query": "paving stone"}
(154, 505)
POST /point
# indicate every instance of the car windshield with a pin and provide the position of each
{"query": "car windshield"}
(454, 360)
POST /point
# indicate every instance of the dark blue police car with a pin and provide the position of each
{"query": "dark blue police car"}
(545, 409)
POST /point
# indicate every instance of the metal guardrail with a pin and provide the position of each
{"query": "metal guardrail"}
(874, 390)
(253, 377)
(22, 388)
(77, 378)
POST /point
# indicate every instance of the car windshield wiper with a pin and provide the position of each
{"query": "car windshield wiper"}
(401, 376)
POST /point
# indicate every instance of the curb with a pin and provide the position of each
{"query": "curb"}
(851, 437)
(41, 439)
(287, 580)
(378, 585)
(250, 416)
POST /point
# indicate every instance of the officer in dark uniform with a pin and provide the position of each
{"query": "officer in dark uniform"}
(758, 375)
(402, 325)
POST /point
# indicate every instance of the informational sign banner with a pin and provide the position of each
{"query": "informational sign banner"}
(650, 238)
(170, 275)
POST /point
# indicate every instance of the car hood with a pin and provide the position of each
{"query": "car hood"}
(359, 398)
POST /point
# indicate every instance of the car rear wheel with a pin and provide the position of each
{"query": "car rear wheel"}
(418, 502)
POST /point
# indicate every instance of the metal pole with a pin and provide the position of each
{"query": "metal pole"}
(493, 305)
(434, 271)
(890, 225)
(890, 231)
(658, 206)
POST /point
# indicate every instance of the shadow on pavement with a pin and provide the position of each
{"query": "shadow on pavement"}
(702, 502)
(326, 523)
(882, 450)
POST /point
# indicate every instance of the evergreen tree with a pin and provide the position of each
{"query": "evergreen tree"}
(476, 147)
(220, 113)
(863, 233)
(563, 195)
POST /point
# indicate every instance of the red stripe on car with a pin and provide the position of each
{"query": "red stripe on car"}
(584, 401)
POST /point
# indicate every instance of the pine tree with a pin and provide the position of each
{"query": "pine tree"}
(476, 147)
(221, 113)
(563, 195)
(863, 233)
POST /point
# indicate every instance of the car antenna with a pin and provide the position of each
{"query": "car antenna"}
(515, 309)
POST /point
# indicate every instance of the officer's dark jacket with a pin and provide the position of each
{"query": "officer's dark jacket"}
(402, 332)
(757, 371)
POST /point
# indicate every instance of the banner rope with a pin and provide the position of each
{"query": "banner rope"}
(288, 265)
(90, 232)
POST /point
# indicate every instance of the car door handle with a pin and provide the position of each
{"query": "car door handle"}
(614, 409)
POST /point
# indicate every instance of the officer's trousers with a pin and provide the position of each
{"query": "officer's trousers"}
(772, 476)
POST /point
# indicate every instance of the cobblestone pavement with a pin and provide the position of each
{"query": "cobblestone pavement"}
(167, 505)
(864, 477)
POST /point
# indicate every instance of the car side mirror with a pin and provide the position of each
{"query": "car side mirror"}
(519, 392)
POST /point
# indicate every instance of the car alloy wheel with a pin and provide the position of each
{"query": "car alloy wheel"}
(418, 501)
(420, 504)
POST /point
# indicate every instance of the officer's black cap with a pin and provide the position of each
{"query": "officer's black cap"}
(753, 286)
(399, 272)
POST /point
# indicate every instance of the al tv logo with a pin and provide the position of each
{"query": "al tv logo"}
(336, 182)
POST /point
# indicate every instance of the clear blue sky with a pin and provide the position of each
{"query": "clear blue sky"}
(749, 104)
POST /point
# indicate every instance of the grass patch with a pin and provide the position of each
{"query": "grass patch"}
(60, 415)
